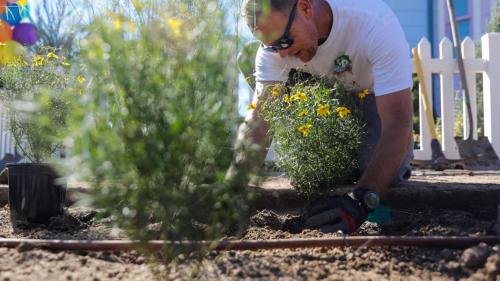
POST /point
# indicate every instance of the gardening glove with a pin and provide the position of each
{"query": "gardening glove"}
(336, 213)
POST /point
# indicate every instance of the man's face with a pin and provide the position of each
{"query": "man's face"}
(303, 31)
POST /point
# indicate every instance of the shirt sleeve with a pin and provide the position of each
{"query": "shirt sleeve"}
(389, 53)
(270, 66)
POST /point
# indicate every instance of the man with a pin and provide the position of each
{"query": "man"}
(356, 41)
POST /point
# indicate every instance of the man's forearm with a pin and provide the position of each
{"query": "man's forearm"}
(250, 150)
(396, 113)
(387, 157)
(252, 143)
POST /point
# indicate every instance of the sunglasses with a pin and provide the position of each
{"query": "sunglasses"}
(284, 42)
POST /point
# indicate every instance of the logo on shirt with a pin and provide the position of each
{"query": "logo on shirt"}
(342, 64)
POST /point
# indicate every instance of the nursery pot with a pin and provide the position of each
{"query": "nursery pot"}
(35, 193)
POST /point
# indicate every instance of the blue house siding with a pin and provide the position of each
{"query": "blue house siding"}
(414, 17)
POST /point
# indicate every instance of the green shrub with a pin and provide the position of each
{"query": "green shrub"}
(154, 130)
(318, 129)
(37, 95)
(494, 25)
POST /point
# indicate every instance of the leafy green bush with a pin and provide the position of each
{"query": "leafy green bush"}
(154, 130)
(318, 129)
(494, 25)
(37, 95)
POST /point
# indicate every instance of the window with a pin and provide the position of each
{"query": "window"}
(461, 7)
(463, 12)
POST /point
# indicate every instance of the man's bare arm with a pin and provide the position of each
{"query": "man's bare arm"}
(396, 112)
(252, 141)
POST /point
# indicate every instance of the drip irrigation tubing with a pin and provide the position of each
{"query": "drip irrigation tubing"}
(459, 242)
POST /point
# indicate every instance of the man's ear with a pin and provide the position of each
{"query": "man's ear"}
(305, 7)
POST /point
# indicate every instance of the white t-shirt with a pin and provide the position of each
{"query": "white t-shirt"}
(368, 32)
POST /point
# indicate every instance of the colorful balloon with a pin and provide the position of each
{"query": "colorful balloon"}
(5, 31)
(10, 52)
(14, 13)
(25, 34)
(3, 3)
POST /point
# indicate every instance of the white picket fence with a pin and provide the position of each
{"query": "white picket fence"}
(446, 66)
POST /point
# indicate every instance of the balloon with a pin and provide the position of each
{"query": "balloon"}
(14, 13)
(10, 51)
(3, 3)
(22, 2)
(5, 31)
(25, 33)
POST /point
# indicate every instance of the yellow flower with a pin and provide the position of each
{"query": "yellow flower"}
(305, 129)
(287, 99)
(80, 79)
(363, 94)
(323, 110)
(252, 106)
(38, 60)
(277, 90)
(64, 63)
(118, 24)
(51, 55)
(303, 113)
(175, 26)
(343, 111)
(299, 96)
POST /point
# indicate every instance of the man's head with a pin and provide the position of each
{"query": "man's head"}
(287, 26)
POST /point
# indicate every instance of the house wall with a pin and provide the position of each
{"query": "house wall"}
(414, 17)
(429, 18)
(480, 12)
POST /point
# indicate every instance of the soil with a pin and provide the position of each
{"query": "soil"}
(481, 262)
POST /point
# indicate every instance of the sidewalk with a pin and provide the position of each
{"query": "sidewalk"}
(449, 189)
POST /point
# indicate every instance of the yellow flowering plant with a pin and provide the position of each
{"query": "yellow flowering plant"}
(37, 94)
(318, 128)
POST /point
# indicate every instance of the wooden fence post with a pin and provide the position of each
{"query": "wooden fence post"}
(491, 88)
(469, 53)
(447, 65)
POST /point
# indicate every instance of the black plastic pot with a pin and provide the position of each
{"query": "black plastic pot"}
(35, 193)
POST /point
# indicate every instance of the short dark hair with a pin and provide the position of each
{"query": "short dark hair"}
(253, 10)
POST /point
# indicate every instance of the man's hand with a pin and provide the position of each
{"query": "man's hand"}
(336, 213)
